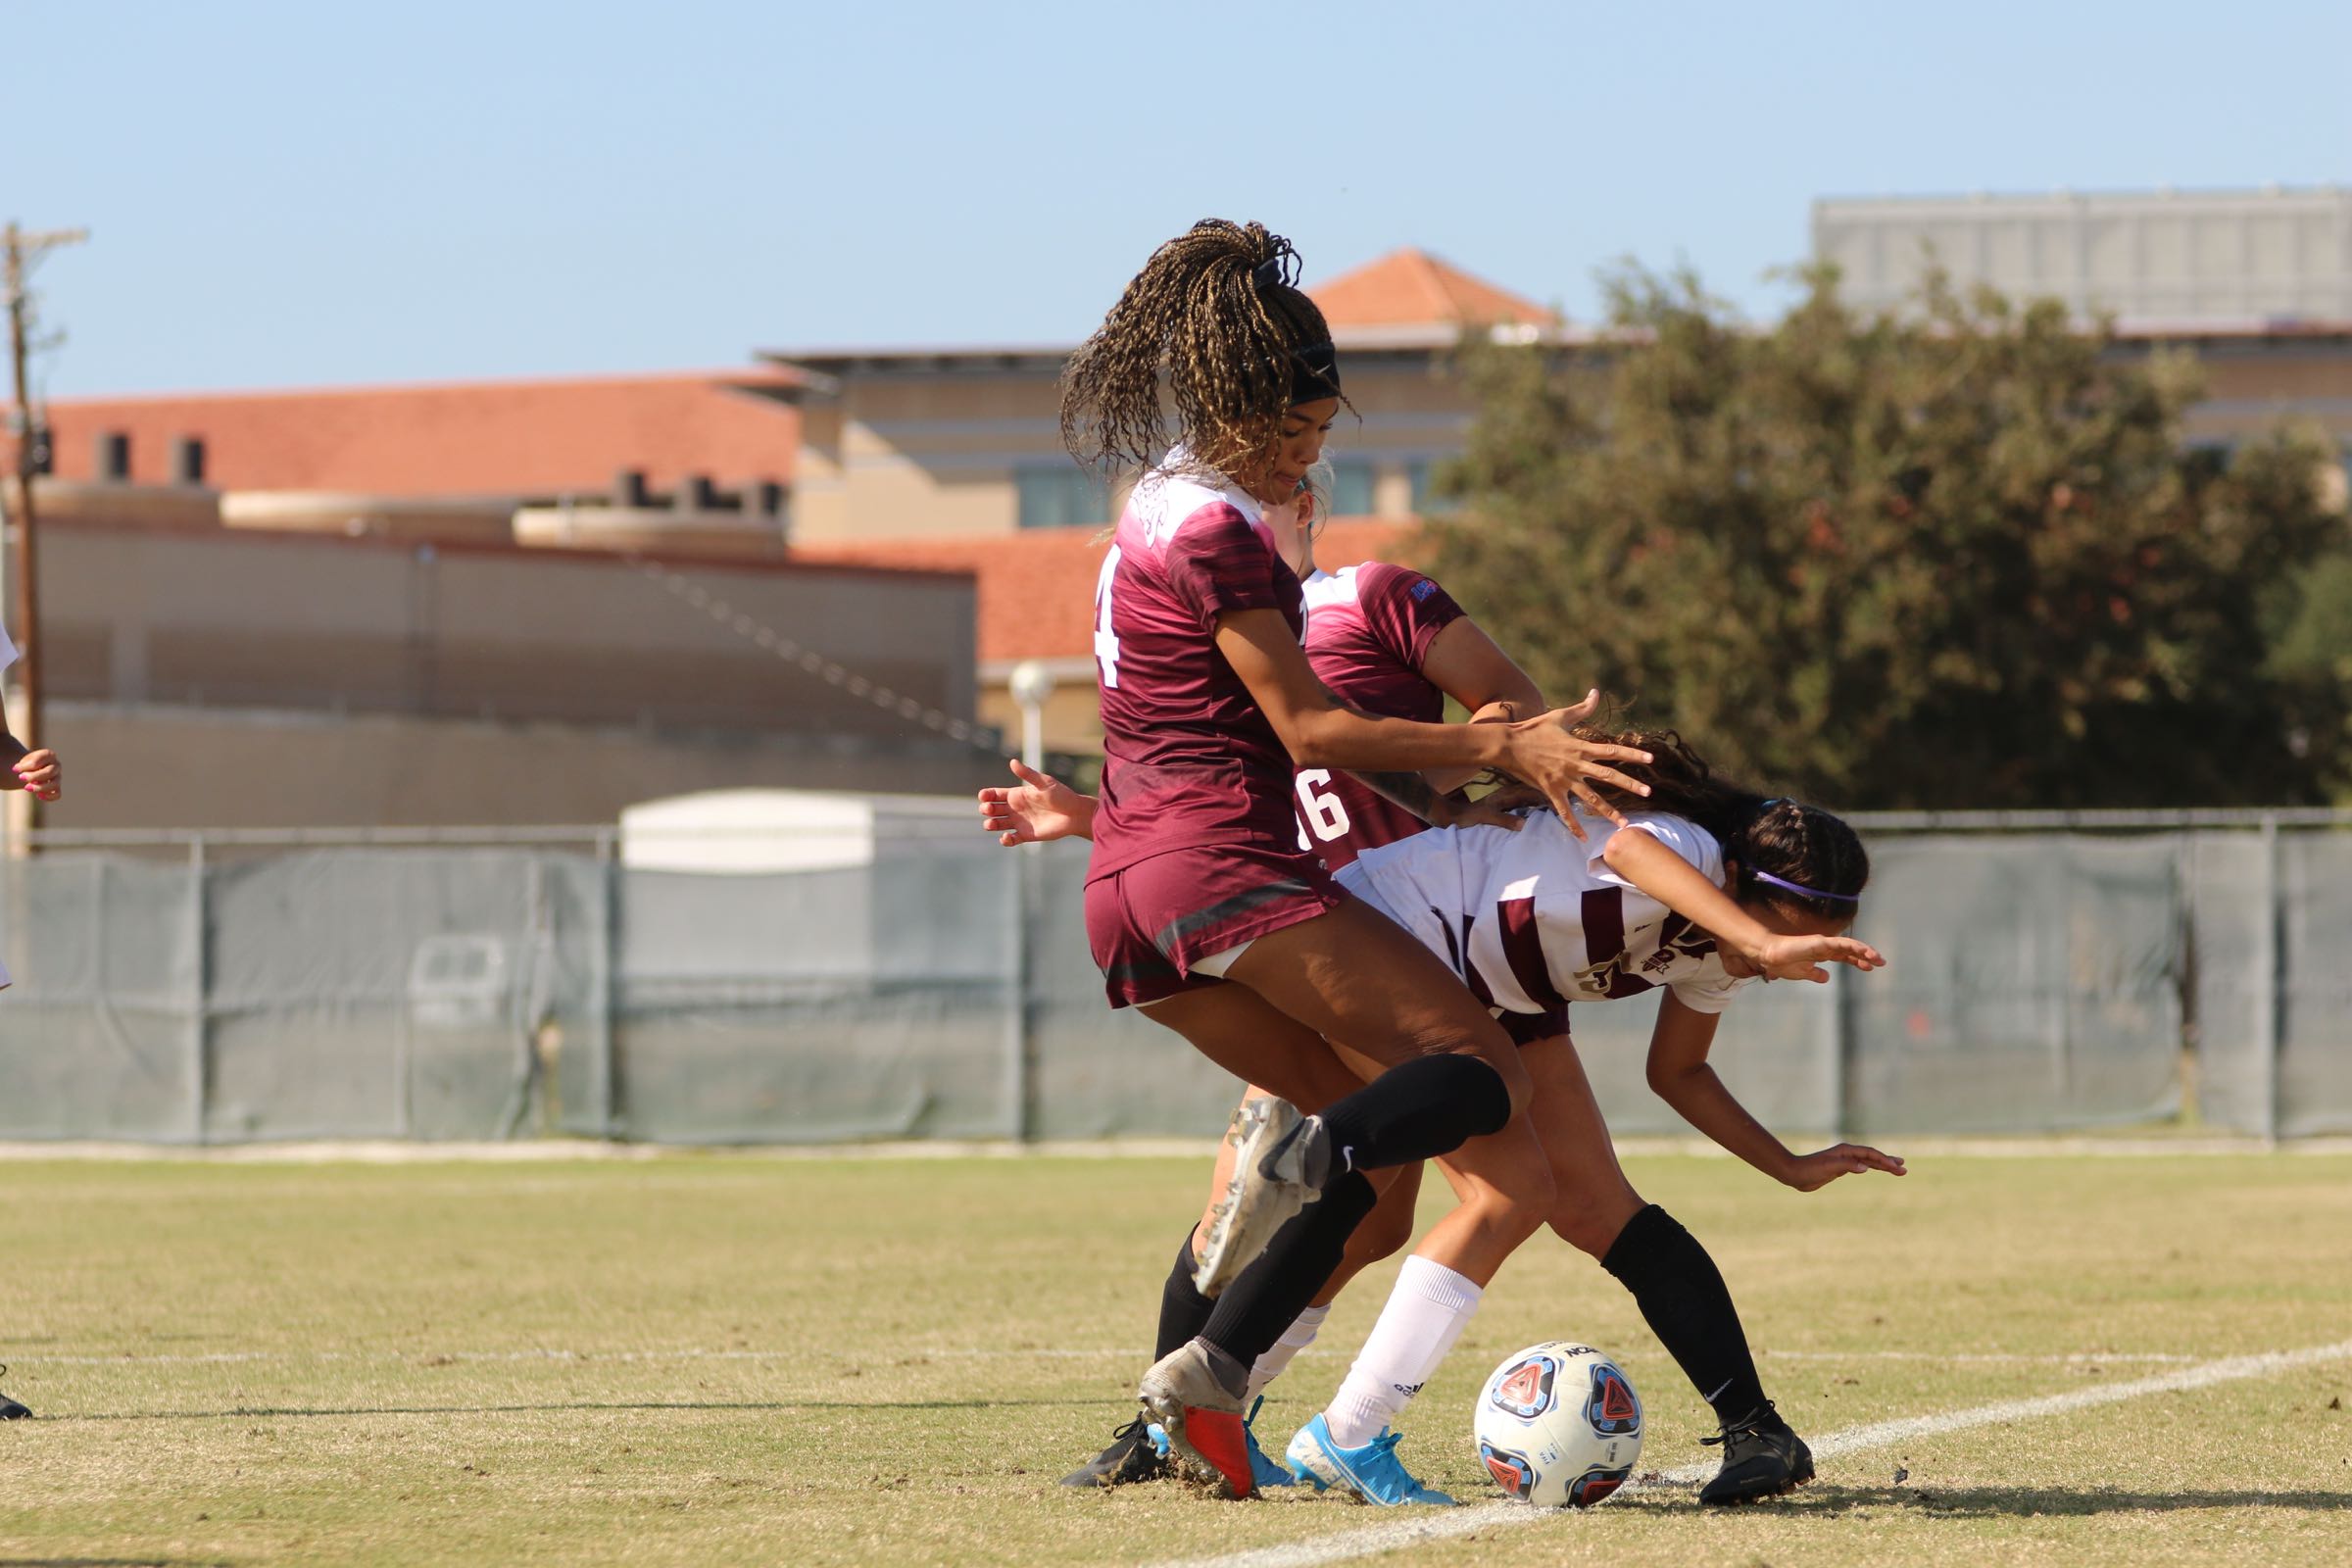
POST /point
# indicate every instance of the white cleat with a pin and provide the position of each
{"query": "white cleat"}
(1272, 1166)
(1200, 1416)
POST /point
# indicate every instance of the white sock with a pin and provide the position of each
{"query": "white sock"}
(1298, 1337)
(1426, 1313)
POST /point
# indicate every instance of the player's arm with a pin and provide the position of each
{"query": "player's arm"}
(1321, 731)
(1417, 795)
(1683, 887)
(1679, 1074)
(1465, 663)
(1037, 810)
(28, 768)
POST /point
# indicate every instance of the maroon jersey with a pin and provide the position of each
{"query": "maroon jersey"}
(1368, 631)
(1187, 759)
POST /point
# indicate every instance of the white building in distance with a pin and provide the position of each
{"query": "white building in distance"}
(2241, 258)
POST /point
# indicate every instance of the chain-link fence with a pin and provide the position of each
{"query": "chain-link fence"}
(2048, 973)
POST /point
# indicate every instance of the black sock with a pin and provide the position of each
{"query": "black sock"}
(1183, 1310)
(1428, 1106)
(1688, 1307)
(1297, 1263)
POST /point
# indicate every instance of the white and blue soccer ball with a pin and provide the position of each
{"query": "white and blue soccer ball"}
(1559, 1425)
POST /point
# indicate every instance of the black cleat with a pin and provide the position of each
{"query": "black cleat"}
(1761, 1459)
(1131, 1457)
(10, 1409)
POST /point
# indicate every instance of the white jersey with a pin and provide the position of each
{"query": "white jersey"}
(1534, 919)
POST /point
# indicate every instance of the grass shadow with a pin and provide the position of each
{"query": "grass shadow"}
(1980, 1503)
(265, 1412)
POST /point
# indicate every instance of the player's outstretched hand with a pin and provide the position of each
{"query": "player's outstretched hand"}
(1041, 808)
(1810, 1174)
(37, 771)
(1802, 957)
(1545, 752)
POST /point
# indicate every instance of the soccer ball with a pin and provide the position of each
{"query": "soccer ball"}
(1558, 1424)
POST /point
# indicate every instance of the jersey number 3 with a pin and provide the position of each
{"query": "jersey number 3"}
(1106, 642)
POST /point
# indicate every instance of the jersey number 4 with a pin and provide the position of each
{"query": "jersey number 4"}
(1106, 642)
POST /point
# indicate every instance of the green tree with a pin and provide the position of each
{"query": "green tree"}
(1956, 557)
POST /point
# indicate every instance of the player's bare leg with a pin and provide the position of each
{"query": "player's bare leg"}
(1504, 1181)
(1133, 1455)
(1676, 1285)
(1355, 978)
(1448, 1070)
(1191, 1392)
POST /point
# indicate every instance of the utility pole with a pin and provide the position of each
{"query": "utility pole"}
(22, 253)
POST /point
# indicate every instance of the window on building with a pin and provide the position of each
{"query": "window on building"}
(1427, 504)
(1061, 495)
(1350, 487)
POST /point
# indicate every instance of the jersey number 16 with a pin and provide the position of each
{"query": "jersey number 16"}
(1321, 814)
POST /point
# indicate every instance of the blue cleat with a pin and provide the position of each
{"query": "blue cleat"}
(1265, 1471)
(1372, 1472)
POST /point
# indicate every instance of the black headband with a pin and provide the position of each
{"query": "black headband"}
(1314, 366)
(1314, 372)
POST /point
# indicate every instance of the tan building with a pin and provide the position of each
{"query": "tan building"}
(310, 608)
(246, 511)
(952, 458)
(227, 679)
(700, 462)
(963, 443)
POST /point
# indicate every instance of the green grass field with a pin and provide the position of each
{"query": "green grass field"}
(706, 1359)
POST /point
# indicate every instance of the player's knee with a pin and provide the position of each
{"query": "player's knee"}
(1591, 1221)
(1516, 1211)
(1577, 1225)
(1517, 1085)
(1387, 1230)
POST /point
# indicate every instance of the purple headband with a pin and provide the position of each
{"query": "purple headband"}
(1810, 893)
(1796, 887)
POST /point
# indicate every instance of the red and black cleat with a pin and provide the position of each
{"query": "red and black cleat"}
(1201, 1414)
(1217, 1439)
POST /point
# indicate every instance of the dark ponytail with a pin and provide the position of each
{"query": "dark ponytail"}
(1781, 838)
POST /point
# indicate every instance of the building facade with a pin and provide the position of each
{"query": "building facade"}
(2154, 260)
(965, 443)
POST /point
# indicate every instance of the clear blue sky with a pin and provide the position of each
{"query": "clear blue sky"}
(295, 194)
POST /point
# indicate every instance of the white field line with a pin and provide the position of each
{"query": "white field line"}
(388, 1151)
(1981, 1357)
(428, 1357)
(1346, 1545)
(919, 1354)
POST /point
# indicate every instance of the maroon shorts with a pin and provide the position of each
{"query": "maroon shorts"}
(1150, 922)
(1526, 1028)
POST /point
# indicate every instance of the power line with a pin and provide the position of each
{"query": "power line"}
(981, 738)
(20, 250)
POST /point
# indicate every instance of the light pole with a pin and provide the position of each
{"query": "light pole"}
(1032, 684)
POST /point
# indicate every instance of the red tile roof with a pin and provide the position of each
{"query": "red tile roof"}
(1037, 588)
(1410, 288)
(497, 438)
